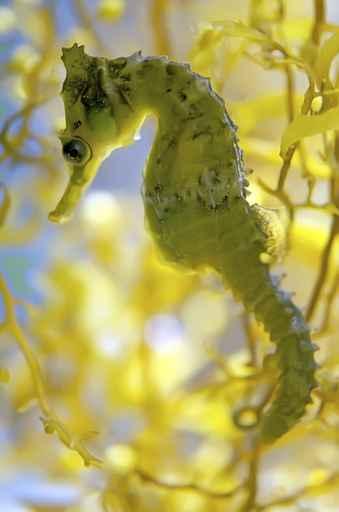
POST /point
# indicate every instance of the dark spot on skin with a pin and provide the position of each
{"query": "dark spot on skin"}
(169, 142)
(93, 100)
(93, 96)
(116, 66)
(74, 88)
(168, 90)
(172, 143)
(76, 124)
(194, 112)
(182, 96)
(203, 131)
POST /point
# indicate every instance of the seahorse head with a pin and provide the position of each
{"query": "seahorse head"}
(88, 109)
(90, 126)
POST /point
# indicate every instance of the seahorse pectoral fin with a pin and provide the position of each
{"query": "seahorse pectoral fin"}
(273, 224)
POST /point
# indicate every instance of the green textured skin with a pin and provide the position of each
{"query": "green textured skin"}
(194, 194)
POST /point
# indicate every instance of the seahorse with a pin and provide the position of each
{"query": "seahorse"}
(194, 192)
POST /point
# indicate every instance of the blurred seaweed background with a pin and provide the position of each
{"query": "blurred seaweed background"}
(151, 380)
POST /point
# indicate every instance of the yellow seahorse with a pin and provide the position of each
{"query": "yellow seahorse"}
(194, 193)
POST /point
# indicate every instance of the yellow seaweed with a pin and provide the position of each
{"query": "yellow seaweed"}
(307, 126)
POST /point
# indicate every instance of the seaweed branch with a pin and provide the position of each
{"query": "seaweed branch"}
(158, 23)
(50, 421)
(147, 478)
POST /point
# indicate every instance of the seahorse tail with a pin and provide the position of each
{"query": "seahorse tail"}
(295, 355)
(253, 285)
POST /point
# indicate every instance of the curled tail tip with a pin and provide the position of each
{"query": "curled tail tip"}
(271, 431)
(273, 427)
(275, 424)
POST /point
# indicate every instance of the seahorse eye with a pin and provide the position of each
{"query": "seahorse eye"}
(76, 151)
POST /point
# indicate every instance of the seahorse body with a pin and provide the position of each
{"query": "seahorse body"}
(194, 193)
